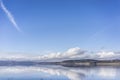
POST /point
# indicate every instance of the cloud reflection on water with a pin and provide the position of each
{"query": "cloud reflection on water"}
(69, 73)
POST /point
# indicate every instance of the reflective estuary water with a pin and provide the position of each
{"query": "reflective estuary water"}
(59, 73)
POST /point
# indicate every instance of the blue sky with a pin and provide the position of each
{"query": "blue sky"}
(56, 25)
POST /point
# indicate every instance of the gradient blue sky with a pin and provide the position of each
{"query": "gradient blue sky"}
(56, 25)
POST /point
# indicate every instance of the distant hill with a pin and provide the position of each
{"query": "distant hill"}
(90, 62)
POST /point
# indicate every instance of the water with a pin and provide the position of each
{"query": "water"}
(59, 73)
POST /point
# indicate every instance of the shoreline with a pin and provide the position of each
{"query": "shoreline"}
(66, 63)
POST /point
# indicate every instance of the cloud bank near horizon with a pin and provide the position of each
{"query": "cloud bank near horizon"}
(9, 15)
(72, 53)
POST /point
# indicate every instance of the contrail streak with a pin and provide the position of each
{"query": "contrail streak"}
(9, 15)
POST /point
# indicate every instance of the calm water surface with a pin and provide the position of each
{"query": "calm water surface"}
(59, 73)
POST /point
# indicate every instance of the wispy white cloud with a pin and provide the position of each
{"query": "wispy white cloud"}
(9, 15)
